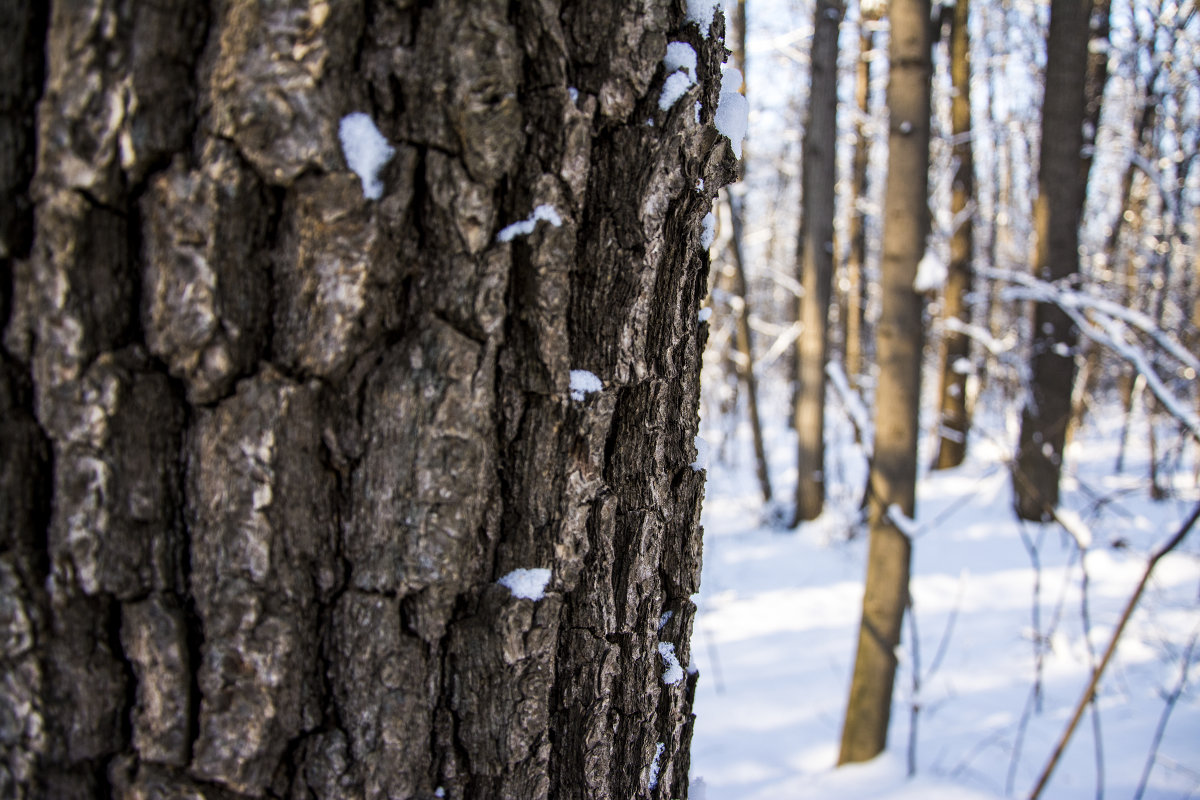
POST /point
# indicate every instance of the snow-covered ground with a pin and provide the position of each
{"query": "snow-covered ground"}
(774, 639)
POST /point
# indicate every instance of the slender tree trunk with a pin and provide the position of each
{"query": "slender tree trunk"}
(1061, 192)
(740, 288)
(273, 436)
(745, 346)
(892, 482)
(856, 262)
(954, 415)
(816, 260)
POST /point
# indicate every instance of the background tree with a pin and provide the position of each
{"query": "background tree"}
(819, 169)
(1062, 182)
(899, 342)
(272, 435)
(954, 414)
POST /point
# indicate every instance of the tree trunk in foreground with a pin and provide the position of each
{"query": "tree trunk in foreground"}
(954, 418)
(269, 445)
(1062, 184)
(900, 336)
(816, 261)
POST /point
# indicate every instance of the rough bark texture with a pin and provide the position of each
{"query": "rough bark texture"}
(1062, 184)
(954, 420)
(816, 261)
(900, 337)
(269, 445)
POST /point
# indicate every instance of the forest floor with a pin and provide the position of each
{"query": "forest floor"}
(779, 609)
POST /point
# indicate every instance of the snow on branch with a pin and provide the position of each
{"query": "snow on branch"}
(1108, 323)
(855, 408)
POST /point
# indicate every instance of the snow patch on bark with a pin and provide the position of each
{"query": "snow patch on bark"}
(655, 766)
(366, 151)
(733, 110)
(544, 213)
(673, 673)
(701, 12)
(584, 383)
(527, 583)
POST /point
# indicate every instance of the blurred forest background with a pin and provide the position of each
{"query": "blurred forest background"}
(1002, 347)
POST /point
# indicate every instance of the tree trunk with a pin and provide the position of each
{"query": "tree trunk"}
(856, 262)
(745, 346)
(271, 444)
(900, 338)
(816, 260)
(1062, 184)
(954, 419)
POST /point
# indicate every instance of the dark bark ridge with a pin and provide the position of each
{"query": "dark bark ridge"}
(269, 445)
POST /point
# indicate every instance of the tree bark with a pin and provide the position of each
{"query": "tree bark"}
(271, 444)
(900, 339)
(816, 260)
(1062, 184)
(954, 420)
(856, 262)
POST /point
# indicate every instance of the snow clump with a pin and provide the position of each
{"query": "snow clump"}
(544, 213)
(673, 673)
(527, 583)
(680, 64)
(701, 461)
(705, 314)
(733, 110)
(584, 383)
(652, 783)
(701, 12)
(366, 151)
(931, 274)
(708, 233)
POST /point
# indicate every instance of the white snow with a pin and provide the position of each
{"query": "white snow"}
(543, 213)
(681, 56)
(778, 618)
(655, 766)
(904, 523)
(733, 110)
(855, 408)
(705, 314)
(701, 462)
(673, 673)
(527, 583)
(675, 87)
(680, 64)
(931, 273)
(584, 383)
(708, 230)
(573, 93)
(701, 12)
(366, 151)
(664, 619)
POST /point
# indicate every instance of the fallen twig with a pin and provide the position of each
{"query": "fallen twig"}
(1090, 691)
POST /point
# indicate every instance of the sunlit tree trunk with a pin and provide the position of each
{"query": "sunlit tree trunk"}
(900, 337)
(954, 420)
(816, 260)
(270, 435)
(856, 262)
(1062, 185)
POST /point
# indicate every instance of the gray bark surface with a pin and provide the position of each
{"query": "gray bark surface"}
(269, 445)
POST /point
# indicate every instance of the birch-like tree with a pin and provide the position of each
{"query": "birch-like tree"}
(899, 342)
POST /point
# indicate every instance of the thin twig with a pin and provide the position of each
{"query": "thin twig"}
(1090, 691)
